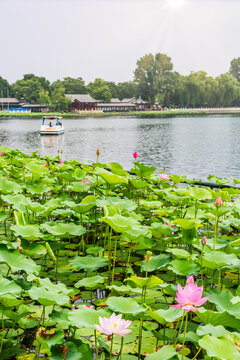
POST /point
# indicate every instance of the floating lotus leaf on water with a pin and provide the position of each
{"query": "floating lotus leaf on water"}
(222, 348)
(90, 282)
(184, 267)
(124, 305)
(63, 229)
(88, 263)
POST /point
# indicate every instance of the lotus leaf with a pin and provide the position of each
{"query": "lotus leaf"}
(220, 348)
(184, 267)
(85, 317)
(17, 261)
(145, 282)
(219, 259)
(166, 316)
(88, 263)
(166, 353)
(28, 232)
(63, 229)
(156, 262)
(119, 223)
(90, 282)
(124, 305)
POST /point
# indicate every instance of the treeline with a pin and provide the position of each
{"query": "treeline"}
(154, 80)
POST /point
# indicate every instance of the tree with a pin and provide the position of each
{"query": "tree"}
(99, 90)
(113, 88)
(153, 76)
(127, 90)
(229, 89)
(235, 68)
(30, 87)
(44, 98)
(5, 88)
(70, 85)
(58, 101)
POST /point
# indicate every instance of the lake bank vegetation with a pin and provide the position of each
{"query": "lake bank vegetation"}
(154, 80)
(97, 262)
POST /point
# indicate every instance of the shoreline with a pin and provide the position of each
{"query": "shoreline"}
(153, 113)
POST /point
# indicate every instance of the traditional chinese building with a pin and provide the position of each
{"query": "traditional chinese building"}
(80, 102)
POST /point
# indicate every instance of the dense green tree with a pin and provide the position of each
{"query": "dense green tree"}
(113, 89)
(99, 90)
(30, 87)
(229, 89)
(5, 88)
(235, 68)
(127, 90)
(44, 98)
(58, 101)
(70, 85)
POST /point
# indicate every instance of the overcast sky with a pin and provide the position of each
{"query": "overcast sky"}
(105, 38)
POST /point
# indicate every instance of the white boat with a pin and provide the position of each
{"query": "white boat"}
(51, 125)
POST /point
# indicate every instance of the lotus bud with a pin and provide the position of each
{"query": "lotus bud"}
(204, 241)
(75, 307)
(61, 161)
(190, 280)
(218, 201)
(135, 155)
(62, 151)
(148, 256)
(98, 152)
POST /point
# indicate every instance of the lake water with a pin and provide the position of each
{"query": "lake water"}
(192, 146)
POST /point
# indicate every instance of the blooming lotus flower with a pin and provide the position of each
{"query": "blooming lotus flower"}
(190, 296)
(98, 152)
(218, 201)
(164, 177)
(86, 182)
(114, 325)
(135, 155)
(61, 161)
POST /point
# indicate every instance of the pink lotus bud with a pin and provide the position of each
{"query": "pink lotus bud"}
(61, 161)
(75, 307)
(135, 155)
(98, 152)
(1, 153)
(204, 240)
(164, 177)
(86, 182)
(218, 201)
(172, 227)
(62, 151)
(45, 164)
(165, 223)
(190, 280)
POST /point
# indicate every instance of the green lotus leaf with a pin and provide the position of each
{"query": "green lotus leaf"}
(167, 352)
(139, 184)
(224, 301)
(119, 223)
(35, 207)
(126, 204)
(113, 179)
(143, 170)
(7, 186)
(90, 282)
(156, 262)
(223, 348)
(9, 287)
(28, 232)
(219, 259)
(18, 202)
(88, 263)
(184, 267)
(125, 289)
(79, 186)
(124, 305)
(180, 253)
(39, 188)
(85, 205)
(217, 318)
(216, 331)
(17, 261)
(159, 229)
(86, 317)
(63, 229)
(187, 224)
(145, 282)
(200, 193)
(166, 316)
(33, 249)
(117, 169)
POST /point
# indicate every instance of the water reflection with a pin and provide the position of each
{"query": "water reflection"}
(195, 146)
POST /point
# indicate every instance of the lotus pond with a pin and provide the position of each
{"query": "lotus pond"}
(93, 258)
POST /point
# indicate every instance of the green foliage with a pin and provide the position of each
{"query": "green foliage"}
(99, 90)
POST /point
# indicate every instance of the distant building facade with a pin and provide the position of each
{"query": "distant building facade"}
(81, 102)
(15, 105)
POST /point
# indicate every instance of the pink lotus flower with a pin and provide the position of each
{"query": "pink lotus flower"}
(218, 201)
(2, 154)
(172, 226)
(61, 161)
(114, 325)
(98, 152)
(135, 155)
(45, 164)
(190, 296)
(164, 177)
(204, 241)
(86, 182)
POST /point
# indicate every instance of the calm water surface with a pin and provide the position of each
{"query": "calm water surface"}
(192, 146)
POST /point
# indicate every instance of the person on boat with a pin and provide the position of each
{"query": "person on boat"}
(50, 124)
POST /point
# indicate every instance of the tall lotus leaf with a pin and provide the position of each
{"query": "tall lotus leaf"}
(39, 188)
(187, 224)
(17, 261)
(139, 184)
(184, 267)
(124, 305)
(117, 169)
(90, 282)
(143, 170)
(28, 232)
(63, 230)
(110, 210)
(126, 204)
(49, 206)
(159, 229)
(200, 193)
(216, 331)
(35, 207)
(224, 301)
(112, 179)
(180, 253)
(78, 186)
(223, 348)
(119, 223)
(166, 316)
(145, 282)
(85, 317)
(166, 353)
(88, 263)
(33, 249)
(9, 287)
(71, 352)
(19, 202)
(137, 233)
(7, 186)
(218, 318)
(86, 204)
(219, 259)
(156, 262)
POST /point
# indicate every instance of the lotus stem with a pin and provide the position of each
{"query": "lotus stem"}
(120, 353)
(96, 344)
(2, 320)
(111, 348)
(215, 231)
(140, 338)
(114, 259)
(184, 335)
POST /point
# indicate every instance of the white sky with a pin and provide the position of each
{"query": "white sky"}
(105, 38)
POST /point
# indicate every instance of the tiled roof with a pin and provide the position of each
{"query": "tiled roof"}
(9, 100)
(83, 98)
